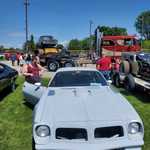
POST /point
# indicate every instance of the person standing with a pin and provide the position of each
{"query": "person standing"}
(13, 59)
(33, 71)
(104, 66)
(28, 59)
(18, 58)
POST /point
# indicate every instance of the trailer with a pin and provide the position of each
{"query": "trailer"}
(134, 72)
(52, 54)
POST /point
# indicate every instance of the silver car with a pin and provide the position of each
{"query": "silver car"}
(79, 111)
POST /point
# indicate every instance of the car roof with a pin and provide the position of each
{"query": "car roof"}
(76, 69)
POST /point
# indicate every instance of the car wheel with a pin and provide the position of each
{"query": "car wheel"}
(52, 65)
(117, 81)
(129, 83)
(33, 144)
(69, 64)
(13, 86)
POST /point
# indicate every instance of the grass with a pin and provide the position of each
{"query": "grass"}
(141, 102)
(16, 118)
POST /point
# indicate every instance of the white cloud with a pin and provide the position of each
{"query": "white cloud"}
(16, 34)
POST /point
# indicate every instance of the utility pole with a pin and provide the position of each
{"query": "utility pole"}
(142, 20)
(90, 41)
(26, 4)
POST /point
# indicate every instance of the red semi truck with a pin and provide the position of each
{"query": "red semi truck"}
(113, 46)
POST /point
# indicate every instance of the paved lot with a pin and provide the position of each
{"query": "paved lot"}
(46, 74)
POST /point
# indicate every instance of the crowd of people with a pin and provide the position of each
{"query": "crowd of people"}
(29, 65)
(32, 70)
(20, 58)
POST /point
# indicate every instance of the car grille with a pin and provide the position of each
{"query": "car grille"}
(109, 132)
(71, 134)
(81, 133)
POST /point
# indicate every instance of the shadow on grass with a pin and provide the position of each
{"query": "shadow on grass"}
(6, 92)
(140, 95)
(28, 105)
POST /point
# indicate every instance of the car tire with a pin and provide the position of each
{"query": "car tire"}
(117, 80)
(129, 83)
(69, 64)
(12, 86)
(33, 144)
(52, 65)
(125, 67)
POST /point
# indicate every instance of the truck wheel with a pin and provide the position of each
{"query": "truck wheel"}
(52, 65)
(125, 67)
(69, 64)
(134, 68)
(129, 83)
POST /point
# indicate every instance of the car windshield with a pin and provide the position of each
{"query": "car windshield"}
(77, 78)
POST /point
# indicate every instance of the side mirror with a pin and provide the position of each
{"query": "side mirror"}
(109, 82)
(37, 84)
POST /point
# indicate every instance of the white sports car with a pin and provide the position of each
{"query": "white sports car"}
(79, 111)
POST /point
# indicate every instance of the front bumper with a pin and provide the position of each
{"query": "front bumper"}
(115, 145)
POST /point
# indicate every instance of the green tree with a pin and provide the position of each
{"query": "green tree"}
(74, 44)
(1, 47)
(31, 44)
(142, 24)
(112, 30)
(85, 43)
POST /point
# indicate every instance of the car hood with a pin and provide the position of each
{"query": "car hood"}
(84, 104)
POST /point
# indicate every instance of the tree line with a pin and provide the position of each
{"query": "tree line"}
(142, 25)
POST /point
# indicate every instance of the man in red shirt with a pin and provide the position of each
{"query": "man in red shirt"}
(104, 66)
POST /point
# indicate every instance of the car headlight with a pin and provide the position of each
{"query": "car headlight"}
(134, 128)
(42, 131)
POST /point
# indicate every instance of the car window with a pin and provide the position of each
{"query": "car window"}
(107, 43)
(128, 42)
(77, 78)
(1, 69)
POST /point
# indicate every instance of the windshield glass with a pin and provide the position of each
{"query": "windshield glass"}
(78, 78)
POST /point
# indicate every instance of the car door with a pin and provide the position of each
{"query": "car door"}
(4, 82)
(1, 79)
(33, 92)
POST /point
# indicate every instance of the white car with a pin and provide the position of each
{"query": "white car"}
(79, 111)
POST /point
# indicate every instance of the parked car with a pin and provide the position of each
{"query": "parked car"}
(78, 110)
(2, 56)
(7, 77)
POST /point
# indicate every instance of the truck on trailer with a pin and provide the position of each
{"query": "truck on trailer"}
(52, 54)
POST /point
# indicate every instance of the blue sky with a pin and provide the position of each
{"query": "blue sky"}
(65, 19)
